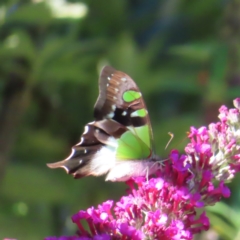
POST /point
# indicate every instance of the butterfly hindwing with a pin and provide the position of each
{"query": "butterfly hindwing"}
(89, 156)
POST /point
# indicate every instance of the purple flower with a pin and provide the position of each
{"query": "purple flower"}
(165, 206)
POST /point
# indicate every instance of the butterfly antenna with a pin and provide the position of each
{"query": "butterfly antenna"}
(160, 162)
(181, 141)
(171, 138)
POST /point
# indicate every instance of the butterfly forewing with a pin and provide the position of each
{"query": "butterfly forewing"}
(121, 100)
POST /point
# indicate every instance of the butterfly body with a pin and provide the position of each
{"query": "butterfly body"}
(119, 141)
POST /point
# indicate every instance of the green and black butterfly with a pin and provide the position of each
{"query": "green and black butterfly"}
(119, 141)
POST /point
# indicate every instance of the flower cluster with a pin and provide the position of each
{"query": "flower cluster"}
(169, 205)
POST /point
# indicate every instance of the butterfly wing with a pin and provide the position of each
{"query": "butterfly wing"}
(121, 100)
(120, 136)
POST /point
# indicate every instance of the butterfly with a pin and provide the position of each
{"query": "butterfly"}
(119, 142)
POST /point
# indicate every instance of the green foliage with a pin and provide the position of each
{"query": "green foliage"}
(180, 56)
(226, 225)
(30, 14)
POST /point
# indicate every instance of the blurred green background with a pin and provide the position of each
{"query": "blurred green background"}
(184, 56)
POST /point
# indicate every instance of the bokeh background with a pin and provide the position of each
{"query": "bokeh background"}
(184, 55)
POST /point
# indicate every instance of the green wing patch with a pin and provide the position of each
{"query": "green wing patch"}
(143, 133)
(131, 95)
(134, 144)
